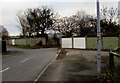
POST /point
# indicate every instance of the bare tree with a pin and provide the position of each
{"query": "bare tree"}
(24, 26)
(66, 26)
(82, 22)
(76, 24)
(36, 21)
(109, 22)
(3, 32)
(109, 14)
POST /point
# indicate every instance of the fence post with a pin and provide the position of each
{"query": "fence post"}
(119, 44)
(4, 46)
(72, 42)
(111, 62)
(0, 45)
(85, 42)
(119, 41)
(102, 46)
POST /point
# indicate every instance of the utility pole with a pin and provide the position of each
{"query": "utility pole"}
(98, 40)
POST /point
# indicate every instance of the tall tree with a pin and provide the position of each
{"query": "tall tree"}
(76, 25)
(65, 25)
(109, 14)
(24, 25)
(36, 21)
(82, 22)
(109, 22)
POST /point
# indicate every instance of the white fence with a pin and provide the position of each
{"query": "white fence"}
(78, 42)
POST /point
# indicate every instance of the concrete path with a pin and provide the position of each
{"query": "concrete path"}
(77, 65)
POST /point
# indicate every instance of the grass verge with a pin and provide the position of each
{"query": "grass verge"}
(35, 47)
(27, 47)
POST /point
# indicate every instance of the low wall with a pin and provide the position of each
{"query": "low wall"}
(28, 41)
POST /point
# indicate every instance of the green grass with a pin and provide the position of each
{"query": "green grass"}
(10, 52)
(27, 47)
(36, 47)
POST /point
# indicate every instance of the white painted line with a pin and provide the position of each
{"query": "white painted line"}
(46, 67)
(4, 69)
(25, 59)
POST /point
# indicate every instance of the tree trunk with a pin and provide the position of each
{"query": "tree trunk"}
(42, 32)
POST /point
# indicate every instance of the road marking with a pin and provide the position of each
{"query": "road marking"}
(46, 67)
(25, 59)
(4, 69)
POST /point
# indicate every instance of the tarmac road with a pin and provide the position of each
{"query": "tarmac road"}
(25, 64)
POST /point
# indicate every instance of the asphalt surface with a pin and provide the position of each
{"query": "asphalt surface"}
(76, 65)
(25, 64)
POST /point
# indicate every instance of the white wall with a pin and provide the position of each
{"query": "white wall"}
(66, 42)
(79, 43)
(13, 41)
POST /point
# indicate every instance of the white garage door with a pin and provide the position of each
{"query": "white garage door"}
(80, 43)
(66, 42)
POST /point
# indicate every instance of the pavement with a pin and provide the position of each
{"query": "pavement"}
(25, 64)
(73, 65)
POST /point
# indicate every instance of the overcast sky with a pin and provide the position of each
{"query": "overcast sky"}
(9, 8)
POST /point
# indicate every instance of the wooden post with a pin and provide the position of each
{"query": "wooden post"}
(119, 44)
(0, 46)
(4, 46)
(119, 41)
(86, 42)
(72, 42)
(111, 62)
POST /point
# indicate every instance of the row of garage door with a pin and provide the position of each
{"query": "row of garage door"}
(90, 42)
